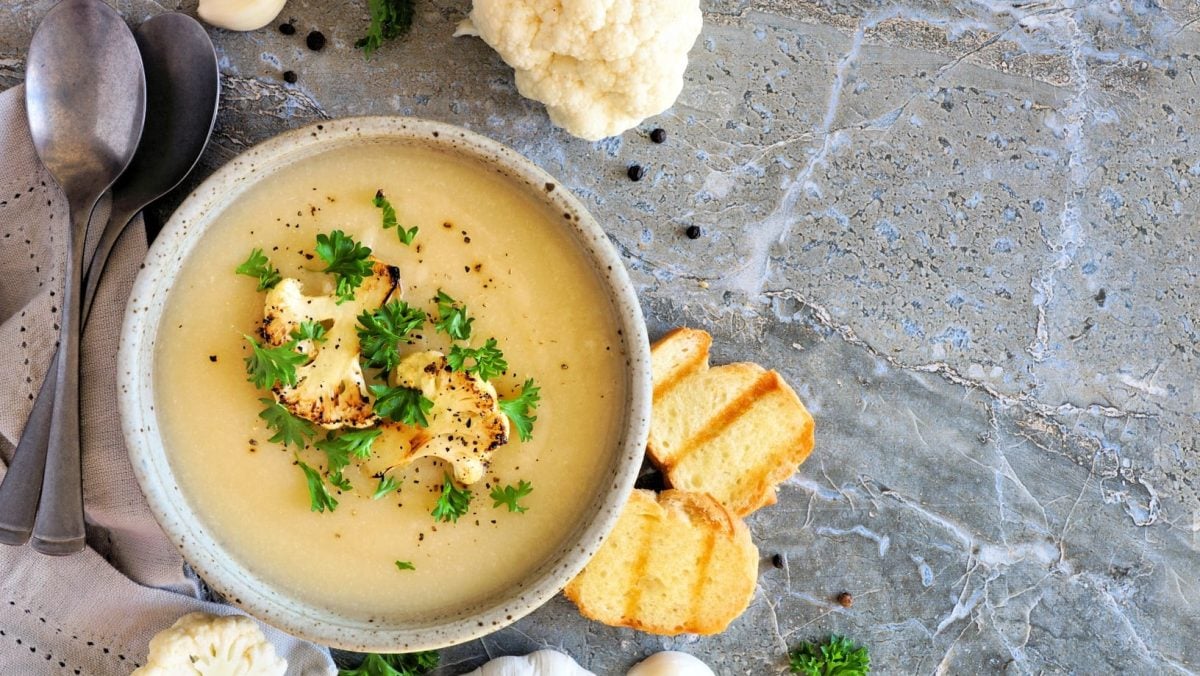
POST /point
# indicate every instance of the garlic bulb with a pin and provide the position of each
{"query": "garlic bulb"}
(540, 663)
(670, 663)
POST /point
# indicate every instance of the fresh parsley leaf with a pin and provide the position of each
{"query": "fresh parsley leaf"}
(389, 19)
(322, 499)
(309, 330)
(405, 565)
(402, 404)
(381, 331)
(347, 260)
(389, 219)
(519, 410)
(386, 485)
(339, 449)
(411, 664)
(509, 495)
(838, 657)
(257, 265)
(452, 318)
(452, 503)
(489, 360)
(271, 366)
(288, 428)
(340, 482)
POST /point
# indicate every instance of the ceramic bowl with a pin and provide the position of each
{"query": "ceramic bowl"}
(185, 527)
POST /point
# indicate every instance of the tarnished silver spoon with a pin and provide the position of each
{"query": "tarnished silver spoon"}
(183, 87)
(85, 96)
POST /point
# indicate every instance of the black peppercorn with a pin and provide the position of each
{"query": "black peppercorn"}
(289, 76)
(692, 232)
(315, 41)
(287, 29)
(845, 600)
(777, 560)
(658, 135)
(636, 172)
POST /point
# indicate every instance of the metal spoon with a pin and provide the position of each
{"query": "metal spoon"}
(182, 91)
(85, 96)
(183, 87)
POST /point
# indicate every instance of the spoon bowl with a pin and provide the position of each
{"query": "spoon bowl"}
(183, 88)
(85, 96)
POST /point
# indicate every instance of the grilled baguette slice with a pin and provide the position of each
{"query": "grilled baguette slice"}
(676, 563)
(735, 432)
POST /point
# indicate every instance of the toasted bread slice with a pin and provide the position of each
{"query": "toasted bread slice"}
(735, 432)
(676, 563)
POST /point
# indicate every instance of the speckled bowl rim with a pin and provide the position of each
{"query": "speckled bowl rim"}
(152, 469)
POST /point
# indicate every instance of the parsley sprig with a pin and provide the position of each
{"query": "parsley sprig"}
(389, 219)
(309, 330)
(389, 20)
(838, 657)
(405, 565)
(411, 664)
(321, 498)
(356, 443)
(288, 428)
(401, 404)
(271, 366)
(386, 485)
(510, 495)
(347, 260)
(381, 331)
(520, 409)
(340, 449)
(257, 265)
(452, 503)
(452, 318)
(488, 361)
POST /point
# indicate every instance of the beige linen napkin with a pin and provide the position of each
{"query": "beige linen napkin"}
(95, 612)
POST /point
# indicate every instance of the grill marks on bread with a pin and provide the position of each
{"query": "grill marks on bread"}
(676, 563)
(735, 431)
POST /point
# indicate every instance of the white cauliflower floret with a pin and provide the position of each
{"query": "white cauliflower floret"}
(200, 644)
(600, 67)
(330, 389)
(465, 422)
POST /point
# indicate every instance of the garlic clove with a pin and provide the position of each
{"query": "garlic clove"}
(240, 15)
(670, 663)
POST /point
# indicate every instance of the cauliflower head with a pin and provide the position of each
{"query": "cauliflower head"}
(330, 389)
(600, 66)
(465, 423)
(200, 644)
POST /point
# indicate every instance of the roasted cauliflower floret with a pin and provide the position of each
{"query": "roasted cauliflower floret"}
(330, 389)
(465, 422)
(200, 644)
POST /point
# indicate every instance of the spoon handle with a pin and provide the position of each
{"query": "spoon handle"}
(22, 485)
(117, 221)
(58, 529)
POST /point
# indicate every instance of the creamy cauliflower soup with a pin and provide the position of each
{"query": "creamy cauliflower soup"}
(500, 253)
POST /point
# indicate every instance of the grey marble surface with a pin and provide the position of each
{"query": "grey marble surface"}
(962, 230)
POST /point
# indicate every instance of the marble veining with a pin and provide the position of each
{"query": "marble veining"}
(962, 230)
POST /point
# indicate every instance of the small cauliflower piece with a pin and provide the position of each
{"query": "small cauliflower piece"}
(465, 423)
(330, 389)
(200, 644)
(600, 67)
